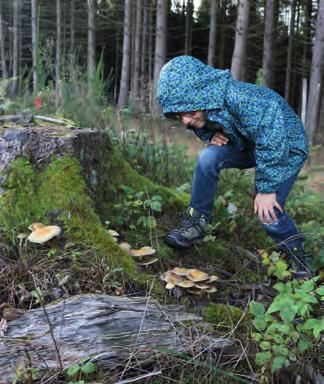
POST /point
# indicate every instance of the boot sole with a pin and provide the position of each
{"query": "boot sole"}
(177, 244)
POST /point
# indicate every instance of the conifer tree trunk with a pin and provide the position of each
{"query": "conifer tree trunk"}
(188, 31)
(268, 41)
(34, 44)
(2, 45)
(212, 33)
(137, 53)
(143, 77)
(15, 49)
(222, 33)
(72, 37)
(316, 79)
(307, 38)
(58, 52)
(91, 56)
(150, 54)
(160, 44)
(124, 81)
(239, 54)
(290, 50)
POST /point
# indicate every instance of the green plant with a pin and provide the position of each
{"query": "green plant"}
(288, 328)
(137, 209)
(24, 374)
(79, 371)
(276, 266)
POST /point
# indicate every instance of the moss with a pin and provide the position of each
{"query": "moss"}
(226, 316)
(58, 194)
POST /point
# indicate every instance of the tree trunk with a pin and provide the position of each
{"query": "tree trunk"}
(290, 50)
(307, 38)
(222, 34)
(212, 34)
(91, 56)
(2, 45)
(316, 76)
(72, 37)
(150, 58)
(239, 54)
(137, 54)
(188, 30)
(268, 41)
(109, 330)
(124, 81)
(58, 57)
(15, 50)
(160, 45)
(34, 45)
(143, 81)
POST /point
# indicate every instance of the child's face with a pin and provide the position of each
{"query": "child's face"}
(196, 119)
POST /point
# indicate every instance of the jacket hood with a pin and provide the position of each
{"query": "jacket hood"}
(187, 84)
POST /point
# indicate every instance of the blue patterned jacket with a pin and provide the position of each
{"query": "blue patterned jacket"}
(252, 116)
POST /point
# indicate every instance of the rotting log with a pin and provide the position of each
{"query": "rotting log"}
(109, 330)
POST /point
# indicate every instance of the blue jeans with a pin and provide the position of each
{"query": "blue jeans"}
(211, 161)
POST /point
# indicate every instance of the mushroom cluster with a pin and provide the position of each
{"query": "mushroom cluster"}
(142, 256)
(194, 280)
(42, 233)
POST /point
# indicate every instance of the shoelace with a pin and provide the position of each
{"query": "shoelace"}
(185, 225)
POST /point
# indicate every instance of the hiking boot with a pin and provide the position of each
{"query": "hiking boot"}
(190, 232)
(299, 261)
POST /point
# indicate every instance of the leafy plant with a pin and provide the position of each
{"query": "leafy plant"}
(79, 371)
(287, 328)
(137, 209)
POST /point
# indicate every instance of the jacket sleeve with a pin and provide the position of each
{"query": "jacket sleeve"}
(271, 151)
(207, 132)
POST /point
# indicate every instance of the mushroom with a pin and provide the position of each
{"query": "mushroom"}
(202, 286)
(125, 246)
(44, 234)
(113, 233)
(35, 226)
(144, 251)
(211, 290)
(195, 275)
(147, 260)
(180, 271)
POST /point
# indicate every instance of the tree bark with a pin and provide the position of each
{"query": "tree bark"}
(91, 56)
(58, 57)
(268, 41)
(137, 54)
(239, 54)
(109, 330)
(2, 45)
(143, 81)
(307, 38)
(222, 34)
(160, 45)
(124, 81)
(72, 38)
(316, 79)
(15, 50)
(212, 33)
(290, 50)
(188, 30)
(34, 45)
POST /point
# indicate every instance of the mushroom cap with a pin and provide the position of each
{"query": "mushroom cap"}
(211, 290)
(125, 246)
(113, 233)
(44, 234)
(202, 286)
(147, 260)
(211, 279)
(186, 284)
(196, 275)
(169, 286)
(35, 226)
(180, 271)
(22, 236)
(195, 291)
(144, 251)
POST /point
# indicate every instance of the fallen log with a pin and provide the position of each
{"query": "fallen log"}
(106, 329)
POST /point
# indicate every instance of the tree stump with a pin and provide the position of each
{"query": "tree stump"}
(42, 144)
(109, 330)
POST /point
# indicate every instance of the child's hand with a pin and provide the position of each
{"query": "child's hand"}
(264, 204)
(219, 138)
